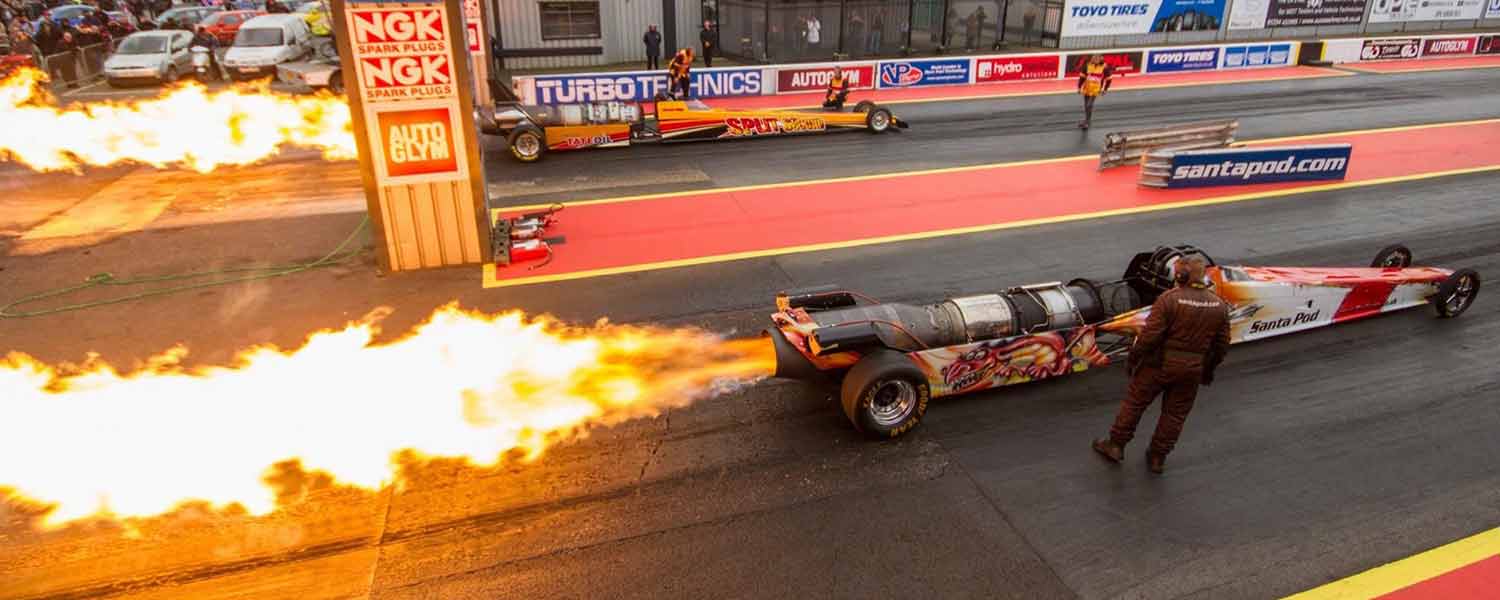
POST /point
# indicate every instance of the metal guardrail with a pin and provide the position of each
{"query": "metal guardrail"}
(1156, 167)
(1127, 147)
(75, 67)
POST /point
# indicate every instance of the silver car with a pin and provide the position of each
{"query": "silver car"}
(158, 56)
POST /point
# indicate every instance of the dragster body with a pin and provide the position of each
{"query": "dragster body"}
(532, 131)
(890, 359)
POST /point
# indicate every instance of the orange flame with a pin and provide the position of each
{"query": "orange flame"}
(91, 440)
(186, 125)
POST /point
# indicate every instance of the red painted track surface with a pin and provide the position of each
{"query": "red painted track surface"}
(1430, 64)
(1477, 581)
(1019, 88)
(707, 226)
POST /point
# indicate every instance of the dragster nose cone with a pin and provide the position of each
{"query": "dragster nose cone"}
(790, 364)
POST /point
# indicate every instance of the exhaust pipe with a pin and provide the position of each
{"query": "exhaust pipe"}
(790, 363)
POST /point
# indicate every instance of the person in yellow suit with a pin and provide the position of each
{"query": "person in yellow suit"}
(679, 74)
(317, 22)
(1093, 81)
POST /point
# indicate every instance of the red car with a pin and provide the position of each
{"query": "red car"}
(224, 25)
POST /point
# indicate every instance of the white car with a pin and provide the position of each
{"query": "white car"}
(267, 41)
(156, 56)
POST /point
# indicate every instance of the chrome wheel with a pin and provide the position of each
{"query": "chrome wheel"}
(879, 121)
(892, 402)
(528, 146)
(1463, 294)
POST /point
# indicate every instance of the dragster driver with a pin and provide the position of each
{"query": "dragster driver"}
(679, 72)
(838, 90)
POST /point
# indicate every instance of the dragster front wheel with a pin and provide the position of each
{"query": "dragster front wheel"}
(1456, 293)
(1394, 256)
(885, 394)
(527, 144)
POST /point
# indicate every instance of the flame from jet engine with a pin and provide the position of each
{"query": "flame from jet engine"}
(186, 126)
(91, 440)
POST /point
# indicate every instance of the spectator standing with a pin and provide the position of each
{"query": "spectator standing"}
(814, 33)
(971, 28)
(877, 32)
(709, 39)
(855, 32)
(652, 39)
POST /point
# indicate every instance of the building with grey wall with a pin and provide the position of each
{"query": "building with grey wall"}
(545, 34)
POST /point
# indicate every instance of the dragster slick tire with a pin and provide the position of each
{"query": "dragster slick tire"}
(1394, 256)
(863, 106)
(884, 394)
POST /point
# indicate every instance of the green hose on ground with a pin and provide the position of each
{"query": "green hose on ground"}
(336, 256)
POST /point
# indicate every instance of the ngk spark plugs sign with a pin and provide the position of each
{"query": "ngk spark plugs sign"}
(1461, 46)
(1391, 49)
(1125, 63)
(1016, 68)
(408, 88)
(402, 53)
(1188, 59)
(1126, 17)
(1260, 14)
(860, 77)
(1391, 11)
(914, 73)
(1257, 55)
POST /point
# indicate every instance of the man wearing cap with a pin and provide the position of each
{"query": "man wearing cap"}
(1184, 340)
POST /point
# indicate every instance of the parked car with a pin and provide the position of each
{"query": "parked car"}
(224, 25)
(156, 56)
(186, 16)
(264, 42)
(72, 14)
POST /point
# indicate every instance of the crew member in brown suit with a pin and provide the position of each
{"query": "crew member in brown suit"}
(1185, 339)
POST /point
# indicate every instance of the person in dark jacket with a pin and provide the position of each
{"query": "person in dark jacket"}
(1184, 340)
(709, 38)
(652, 39)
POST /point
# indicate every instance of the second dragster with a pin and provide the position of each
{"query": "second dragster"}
(890, 359)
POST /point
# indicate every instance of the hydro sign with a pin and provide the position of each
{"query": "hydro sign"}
(641, 87)
(1190, 59)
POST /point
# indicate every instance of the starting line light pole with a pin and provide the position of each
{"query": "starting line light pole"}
(411, 95)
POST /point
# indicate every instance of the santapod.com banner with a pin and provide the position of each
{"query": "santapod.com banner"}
(1127, 17)
(1236, 166)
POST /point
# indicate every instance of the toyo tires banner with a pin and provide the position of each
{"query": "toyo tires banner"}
(1131, 17)
(1243, 166)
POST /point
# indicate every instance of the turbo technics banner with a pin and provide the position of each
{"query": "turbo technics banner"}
(641, 86)
(1238, 166)
(1260, 14)
(1127, 17)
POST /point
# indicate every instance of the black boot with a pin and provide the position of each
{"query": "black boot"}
(1109, 449)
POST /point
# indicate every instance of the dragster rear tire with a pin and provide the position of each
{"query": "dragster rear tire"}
(1456, 293)
(1394, 256)
(878, 120)
(863, 106)
(885, 395)
(527, 143)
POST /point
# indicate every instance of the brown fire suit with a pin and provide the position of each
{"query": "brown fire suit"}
(1185, 339)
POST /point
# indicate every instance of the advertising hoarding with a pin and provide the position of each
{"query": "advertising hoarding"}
(1258, 55)
(859, 77)
(1401, 11)
(1240, 166)
(1125, 63)
(916, 73)
(1128, 17)
(1260, 14)
(1182, 59)
(1455, 46)
(1488, 44)
(639, 86)
(1016, 68)
(1391, 48)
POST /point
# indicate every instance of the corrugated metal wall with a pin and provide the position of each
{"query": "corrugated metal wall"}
(622, 22)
